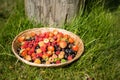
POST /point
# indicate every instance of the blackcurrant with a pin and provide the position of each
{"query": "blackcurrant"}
(66, 50)
(18, 50)
(65, 56)
(37, 47)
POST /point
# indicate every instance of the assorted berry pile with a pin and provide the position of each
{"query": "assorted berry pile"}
(47, 48)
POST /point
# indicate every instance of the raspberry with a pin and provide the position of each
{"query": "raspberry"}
(39, 55)
(58, 62)
(69, 57)
(43, 49)
(57, 52)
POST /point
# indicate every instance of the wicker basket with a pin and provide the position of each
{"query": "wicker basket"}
(42, 30)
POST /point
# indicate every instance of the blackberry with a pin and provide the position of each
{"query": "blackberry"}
(37, 47)
(66, 50)
(70, 45)
(42, 61)
(57, 48)
(33, 38)
(65, 56)
(73, 55)
(18, 50)
(52, 62)
(71, 51)
(30, 39)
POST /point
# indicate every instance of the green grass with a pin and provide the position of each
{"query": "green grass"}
(99, 29)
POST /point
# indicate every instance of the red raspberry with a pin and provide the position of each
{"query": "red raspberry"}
(29, 53)
(35, 44)
(30, 45)
(54, 43)
(33, 54)
(57, 52)
(36, 39)
(40, 54)
(69, 57)
(47, 35)
(55, 37)
(43, 48)
(42, 35)
(58, 62)
(40, 39)
(25, 45)
(48, 44)
(61, 33)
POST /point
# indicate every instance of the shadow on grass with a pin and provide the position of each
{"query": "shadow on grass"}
(111, 5)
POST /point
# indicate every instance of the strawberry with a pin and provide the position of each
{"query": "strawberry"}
(58, 62)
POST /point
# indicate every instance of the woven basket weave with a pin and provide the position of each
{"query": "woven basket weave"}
(78, 41)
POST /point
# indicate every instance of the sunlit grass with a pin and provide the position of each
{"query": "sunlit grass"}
(99, 30)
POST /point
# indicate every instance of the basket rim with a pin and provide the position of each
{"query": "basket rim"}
(47, 65)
